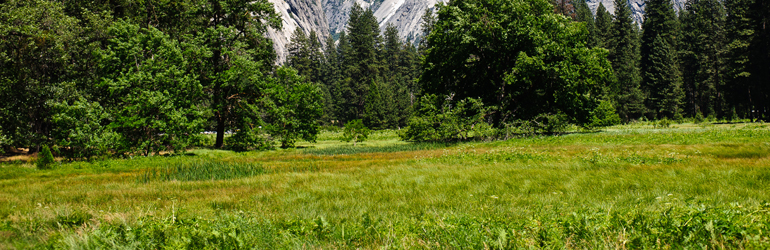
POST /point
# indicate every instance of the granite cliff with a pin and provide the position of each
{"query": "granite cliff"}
(329, 17)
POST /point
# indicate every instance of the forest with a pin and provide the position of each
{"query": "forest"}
(129, 77)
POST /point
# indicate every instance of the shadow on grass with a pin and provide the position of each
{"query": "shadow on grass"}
(349, 149)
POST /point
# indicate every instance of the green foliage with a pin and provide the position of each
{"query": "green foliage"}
(233, 57)
(516, 56)
(151, 95)
(355, 131)
(583, 14)
(81, 129)
(664, 81)
(541, 124)
(445, 120)
(45, 158)
(305, 55)
(661, 79)
(604, 115)
(702, 56)
(295, 108)
(38, 42)
(604, 27)
(249, 137)
(624, 54)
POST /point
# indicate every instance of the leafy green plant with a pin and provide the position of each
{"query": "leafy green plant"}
(439, 119)
(45, 158)
(355, 131)
(604, 115)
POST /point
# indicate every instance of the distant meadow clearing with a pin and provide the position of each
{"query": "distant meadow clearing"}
(627, 187)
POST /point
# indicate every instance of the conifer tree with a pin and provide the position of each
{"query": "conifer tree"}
(659, 21)
(666, 93)
(583, 14)
(624, 55)
(748, 23)
(364, 39)
(603, 27)
(703, 56)
(305, 54)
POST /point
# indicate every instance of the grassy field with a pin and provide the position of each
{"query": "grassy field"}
(628, 187)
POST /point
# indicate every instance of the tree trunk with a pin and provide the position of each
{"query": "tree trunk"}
(220, 130)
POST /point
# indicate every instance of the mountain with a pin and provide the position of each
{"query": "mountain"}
(637, 7)
(329, 17)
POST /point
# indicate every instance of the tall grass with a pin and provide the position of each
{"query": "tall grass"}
(626, 187)
(196, 171)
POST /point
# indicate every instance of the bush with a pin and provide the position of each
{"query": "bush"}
(45, 158)
(543, 123)
(248, 138)
(663, 123)
(355, 131)
(604, 115)
(699, 118)
(441, 119)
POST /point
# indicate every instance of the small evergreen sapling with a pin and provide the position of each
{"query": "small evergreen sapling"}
(45, 158)
(355, 131)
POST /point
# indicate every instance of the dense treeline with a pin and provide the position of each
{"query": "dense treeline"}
(139, 77)
(709, 60)
(365, 75)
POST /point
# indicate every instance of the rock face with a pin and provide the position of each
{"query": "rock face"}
(308, 15)
(329, 17)
(637, 7)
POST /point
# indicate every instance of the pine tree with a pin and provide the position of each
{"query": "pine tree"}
(583, 14)
(748, 23)
(603, 26)
(329, 75)
(666, 94)
(703, 56)
(659, 21)
(364, 39)
(624, 55)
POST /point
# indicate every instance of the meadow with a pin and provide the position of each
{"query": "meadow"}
(701, 186)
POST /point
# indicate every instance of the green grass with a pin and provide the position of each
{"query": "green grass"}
(688, 186)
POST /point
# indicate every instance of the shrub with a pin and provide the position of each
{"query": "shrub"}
(543, 123)
(698, 118)
(442, 119)
(45, 158)
(248, 138)
(604, 115)
(355, 131)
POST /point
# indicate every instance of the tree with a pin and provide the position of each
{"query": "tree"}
(231, 35)
(604, 27)
(295, 109)
(442, 119)
(703, 56)
(624, 55)
(305, 55)
(154, 100)
(45, 158)
(355, 131)
(659, 21)
(583, 14)
(564, 7)
(364, 67)
(519, 57)
(748, 57)
(35, 60)
(665, 89)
